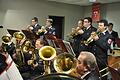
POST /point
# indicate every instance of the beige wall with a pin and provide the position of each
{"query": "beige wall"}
(17, 14)
(111, 12)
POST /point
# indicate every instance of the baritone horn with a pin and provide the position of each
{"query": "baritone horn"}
(47, 53)
(66, 63)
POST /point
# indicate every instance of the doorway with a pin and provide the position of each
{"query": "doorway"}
(58, 23)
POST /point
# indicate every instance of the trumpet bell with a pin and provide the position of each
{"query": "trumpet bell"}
(65, 63)
(47, 53)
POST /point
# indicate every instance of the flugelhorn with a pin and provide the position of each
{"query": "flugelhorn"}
(47, 53)
(66, 63)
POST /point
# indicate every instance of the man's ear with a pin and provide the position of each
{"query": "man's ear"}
(86, 68)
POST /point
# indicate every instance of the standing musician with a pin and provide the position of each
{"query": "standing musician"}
(101, 44)
(76, 33)
(50, 29)
(34, 27)
(88, 29)
(113, 33)
(87, 66)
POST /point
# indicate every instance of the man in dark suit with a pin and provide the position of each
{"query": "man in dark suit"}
(101, 44)
(88, 29)
(113, 33)
(34, 27)
(50, 29)
(87, 66)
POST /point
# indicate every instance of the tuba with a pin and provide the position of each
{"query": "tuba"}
(19, 54)
(66, 63)
(47, 53)
(5, 41)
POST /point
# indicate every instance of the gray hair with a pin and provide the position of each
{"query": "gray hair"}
(89, 60)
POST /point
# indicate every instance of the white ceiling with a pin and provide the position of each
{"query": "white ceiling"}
(84, 2)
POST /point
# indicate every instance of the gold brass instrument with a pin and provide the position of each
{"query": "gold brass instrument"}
(90, 39)
(66, 63)
(47, 53)
(19, 54)
(5, 41)
(19, 35)
(29, 49)
(41, 31)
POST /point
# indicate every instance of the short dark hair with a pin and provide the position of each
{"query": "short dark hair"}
(110, 24)
(103, 21)
(50, 20)
(35, 18)
(89, 19)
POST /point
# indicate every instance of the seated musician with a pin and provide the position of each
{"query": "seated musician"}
(8, 46)
(87, 66)
(39, 67)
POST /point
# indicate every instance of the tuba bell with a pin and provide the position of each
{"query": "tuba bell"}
(66, 63)
(19, 35)
(47, 53)
(6, 39)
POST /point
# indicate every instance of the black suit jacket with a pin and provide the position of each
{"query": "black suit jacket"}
(85, 36)
(51, 31)
(114, 36)
(35, 29)
(100, 48)
(92, 76)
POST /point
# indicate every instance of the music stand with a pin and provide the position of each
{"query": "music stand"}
(11, 32)
(29, 35)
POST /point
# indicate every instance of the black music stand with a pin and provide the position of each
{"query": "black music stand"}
(29, 35)
(11, 32)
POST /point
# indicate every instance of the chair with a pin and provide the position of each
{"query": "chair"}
(117, 40)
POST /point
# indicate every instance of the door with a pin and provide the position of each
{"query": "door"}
(58, 23)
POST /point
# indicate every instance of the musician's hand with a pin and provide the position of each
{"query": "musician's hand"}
(95, 37)
(30, 62)
(80, 31)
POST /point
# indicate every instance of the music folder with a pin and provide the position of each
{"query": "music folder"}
(11, 32)
(30, 35)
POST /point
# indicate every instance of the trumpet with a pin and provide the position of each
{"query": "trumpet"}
(41, 31)
(90, 39)
(75, 32)
(47, 53)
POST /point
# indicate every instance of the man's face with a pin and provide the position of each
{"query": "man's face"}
(81, 68)
(48, 23)
(86, 23)
(101, 27)
(38, 45)
(80, 24)
(34, 22)
(110, 27)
